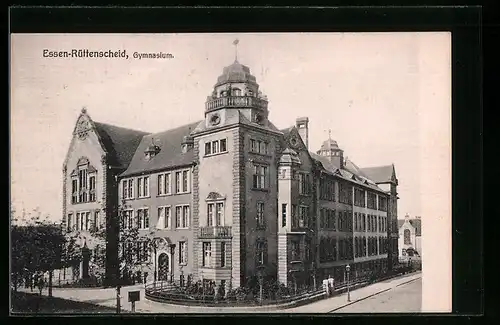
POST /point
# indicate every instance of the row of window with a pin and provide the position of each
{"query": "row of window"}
(181, 185)
(330, 250)
(141, 219)
(215, 147)
(84, 221)
(370, 223)
(141, 252)
(370, 246)
(259, 146)
(83, 187)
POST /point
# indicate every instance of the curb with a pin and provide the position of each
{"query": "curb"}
(369, 296)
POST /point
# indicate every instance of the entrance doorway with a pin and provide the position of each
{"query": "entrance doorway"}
(163, 264)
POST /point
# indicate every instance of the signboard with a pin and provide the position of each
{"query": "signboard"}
(134, 296)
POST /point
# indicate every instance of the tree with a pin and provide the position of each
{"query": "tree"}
(37, 246)
(132, 254)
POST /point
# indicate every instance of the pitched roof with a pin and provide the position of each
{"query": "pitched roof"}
(327, 164)
(380, 174)
(170, 154)
(120, 143)
(353, 168)
(416, 223)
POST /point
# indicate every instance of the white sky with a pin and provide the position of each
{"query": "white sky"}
(386, 98)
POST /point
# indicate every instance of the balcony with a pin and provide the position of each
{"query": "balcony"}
(215, 232)
(236, 101)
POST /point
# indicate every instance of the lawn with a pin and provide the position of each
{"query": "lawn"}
(28, 303)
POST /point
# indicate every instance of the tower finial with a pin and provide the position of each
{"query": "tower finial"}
(329, 134)
(235, 43)
(84, 110)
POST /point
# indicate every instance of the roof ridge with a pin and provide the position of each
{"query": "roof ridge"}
(120, 127)
(177, 127)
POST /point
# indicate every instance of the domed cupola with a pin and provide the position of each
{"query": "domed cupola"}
(331, 150)
(236, 72)
(236, 88)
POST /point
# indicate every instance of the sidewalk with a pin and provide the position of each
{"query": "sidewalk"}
(107, 297)
(340, 301)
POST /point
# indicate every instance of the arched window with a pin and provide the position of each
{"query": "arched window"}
(236, 92)
(407, 240)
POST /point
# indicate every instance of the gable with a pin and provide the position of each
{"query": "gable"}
(84, 143)
(292, 139)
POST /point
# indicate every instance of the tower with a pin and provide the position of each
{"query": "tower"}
(331, 150)
(235, 182)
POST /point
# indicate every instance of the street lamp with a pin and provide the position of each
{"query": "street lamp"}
(348, 269)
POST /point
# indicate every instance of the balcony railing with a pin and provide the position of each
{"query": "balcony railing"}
(215, 232)
(236, 101)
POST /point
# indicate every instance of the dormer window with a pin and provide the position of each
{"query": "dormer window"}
(151, 151)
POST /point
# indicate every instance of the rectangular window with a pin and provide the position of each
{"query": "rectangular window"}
(178, 213)
(74, 191)
(223, 145)
(185, 181)
(215, 146)
(260, 214)
(223, 254)
(263, 147)
(182, 182)
(207, 253)
(219, 214)
(182, 253)
(303, 183)
(260, 251)
(143, 186)
(177, 182)
(161, 184)
(253, 145)
(283, 215)
(355, 221)
(210, 214)
(208, 148)
(185, 216)
(260, 176)
(322, 219)
(92, 195)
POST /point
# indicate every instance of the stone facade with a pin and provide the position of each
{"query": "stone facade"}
(229, 197)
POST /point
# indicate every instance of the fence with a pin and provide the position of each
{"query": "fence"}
(272, 294)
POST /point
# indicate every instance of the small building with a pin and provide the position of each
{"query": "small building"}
(410, 234)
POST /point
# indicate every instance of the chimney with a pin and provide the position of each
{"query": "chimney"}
(302, 124)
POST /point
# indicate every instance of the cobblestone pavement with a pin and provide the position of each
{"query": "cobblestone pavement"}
(107, 297)
(406, 298)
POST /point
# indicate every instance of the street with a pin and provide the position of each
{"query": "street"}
(406, 298)
(401, 294)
